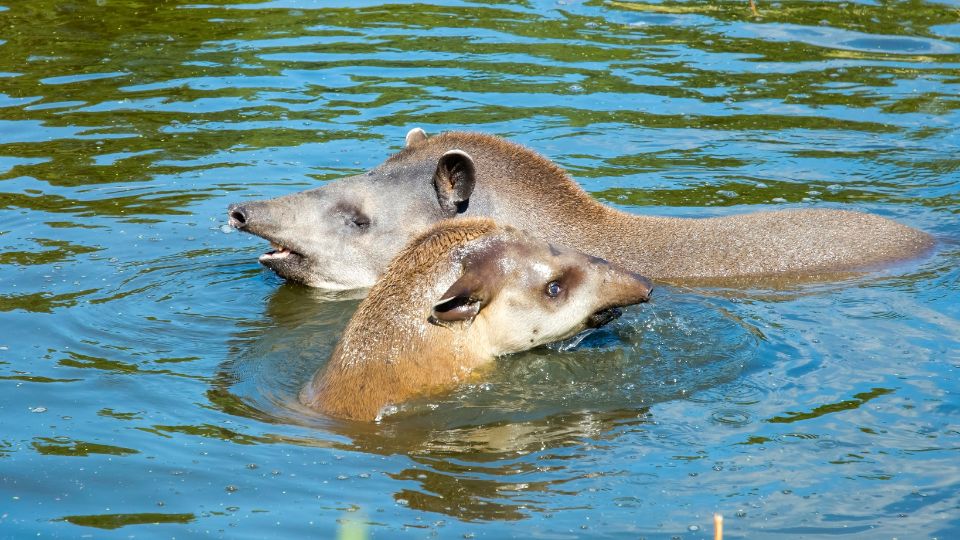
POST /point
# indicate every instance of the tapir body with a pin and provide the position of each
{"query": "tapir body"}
(342, 235)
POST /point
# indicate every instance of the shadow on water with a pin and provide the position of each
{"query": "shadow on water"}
(468, 445)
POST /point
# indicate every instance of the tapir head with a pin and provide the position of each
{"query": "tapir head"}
(343, 234)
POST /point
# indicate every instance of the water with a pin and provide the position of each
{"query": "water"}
(148, 366)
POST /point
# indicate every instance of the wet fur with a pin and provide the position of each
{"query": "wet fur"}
(389, 352)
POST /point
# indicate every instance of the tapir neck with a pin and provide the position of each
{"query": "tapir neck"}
(390, 351)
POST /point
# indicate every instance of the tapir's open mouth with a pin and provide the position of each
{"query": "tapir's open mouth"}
(278, 253)
(603, 317)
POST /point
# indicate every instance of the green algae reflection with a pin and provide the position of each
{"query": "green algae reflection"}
(846, 405)
(115, 521)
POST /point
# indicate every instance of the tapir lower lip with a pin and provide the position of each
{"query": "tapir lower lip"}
(281, 251)
(603, 317)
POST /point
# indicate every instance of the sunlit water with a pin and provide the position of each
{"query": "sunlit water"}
(149, 367)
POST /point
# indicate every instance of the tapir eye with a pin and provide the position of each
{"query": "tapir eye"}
(360, 221)
(553, 289)
(352, 216)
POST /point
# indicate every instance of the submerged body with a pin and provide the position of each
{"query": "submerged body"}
(342, 234)
(461, 294)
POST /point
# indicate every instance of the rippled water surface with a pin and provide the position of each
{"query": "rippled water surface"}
(149, 366)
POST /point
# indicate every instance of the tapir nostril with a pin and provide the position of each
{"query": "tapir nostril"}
(645, 284)
(238, 217)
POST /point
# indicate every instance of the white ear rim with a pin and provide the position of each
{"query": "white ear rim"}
(414, 136)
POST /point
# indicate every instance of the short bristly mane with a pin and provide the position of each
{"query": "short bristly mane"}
(528, 170)
(521, 188)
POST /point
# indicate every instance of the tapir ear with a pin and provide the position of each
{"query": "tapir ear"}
(454, 181)
(415, 136)
(463, 300)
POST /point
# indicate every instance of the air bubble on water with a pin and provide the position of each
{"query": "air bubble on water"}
(693, 528)
(38, 409)
(834, 188)
(726, 193)
(778, 200)
(226, 229)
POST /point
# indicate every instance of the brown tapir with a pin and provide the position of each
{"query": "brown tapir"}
(342, 234)
(462, 293)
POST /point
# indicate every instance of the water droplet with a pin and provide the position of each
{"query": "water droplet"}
(232, 488)
(226, 229)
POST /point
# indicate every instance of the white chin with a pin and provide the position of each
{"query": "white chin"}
(337, 285)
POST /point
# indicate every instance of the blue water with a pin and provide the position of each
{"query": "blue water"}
(149, 367)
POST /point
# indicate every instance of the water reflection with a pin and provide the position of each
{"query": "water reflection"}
(137, 363)
(472, 449)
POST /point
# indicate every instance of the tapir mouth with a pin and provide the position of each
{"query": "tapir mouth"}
(279, 253)
(612, 312)
(603, 317)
